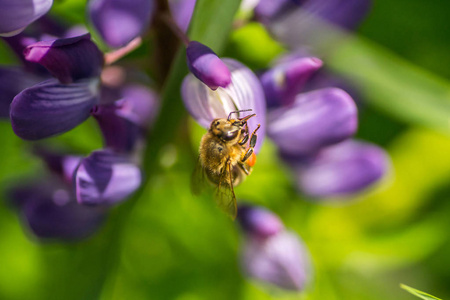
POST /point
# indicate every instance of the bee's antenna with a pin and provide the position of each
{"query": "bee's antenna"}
(237, 111)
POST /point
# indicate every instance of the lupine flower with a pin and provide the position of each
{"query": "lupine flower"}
(271, 253)
(120, 21)
(340, 170)
(206, 66)
(244, 92)
(181, 11)
(313, 122)
(50, 211)
(15, 15)
(58, 105)
(106, 177)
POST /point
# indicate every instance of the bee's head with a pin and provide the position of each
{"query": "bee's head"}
(225, 129)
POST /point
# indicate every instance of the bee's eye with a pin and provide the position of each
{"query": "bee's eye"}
(229, 135)
(217, 123)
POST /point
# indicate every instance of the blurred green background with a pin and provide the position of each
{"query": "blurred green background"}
(166, 244)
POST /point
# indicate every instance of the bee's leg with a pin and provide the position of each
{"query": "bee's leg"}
(249, 151)
(245, 138)
(244, 168)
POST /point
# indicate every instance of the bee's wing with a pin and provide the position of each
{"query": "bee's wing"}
(198, 179)
(224, 194)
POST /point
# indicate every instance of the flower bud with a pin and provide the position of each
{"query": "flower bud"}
(258, 221)
(207, 66)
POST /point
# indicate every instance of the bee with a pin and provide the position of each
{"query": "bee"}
(226, 157)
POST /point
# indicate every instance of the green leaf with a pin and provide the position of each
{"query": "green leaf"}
(394, 85)
(418, 293)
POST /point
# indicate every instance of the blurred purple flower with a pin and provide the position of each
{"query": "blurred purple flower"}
(286, 79)
(51, 212)
(315, 120)
(56, 106)
(125, 121)
(182, 11)
(120, 21)
(105, 178)
(296, 23)
(206, 66)
(340, 170)
(63, 166)
(15, 15)
(244, 92)
(270, 253)
(258, 221)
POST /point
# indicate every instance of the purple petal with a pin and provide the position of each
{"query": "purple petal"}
(12, 82)
(51, 108)
(244, 92)
(343, 169)
(283, 82)
(51, 212)
(67, 59)
(281, 259)
(119, 134)
(182, 11)
(124, 122)
(120, 21)
(106, 177)
(207, 66)
(258, 221)
(315, 120)
(139, 105)
(15, 15)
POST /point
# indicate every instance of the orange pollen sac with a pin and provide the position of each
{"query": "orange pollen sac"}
(251, 161)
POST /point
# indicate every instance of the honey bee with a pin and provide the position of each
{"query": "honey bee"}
(226, 157)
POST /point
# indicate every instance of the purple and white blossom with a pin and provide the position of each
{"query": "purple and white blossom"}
(244, 92)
